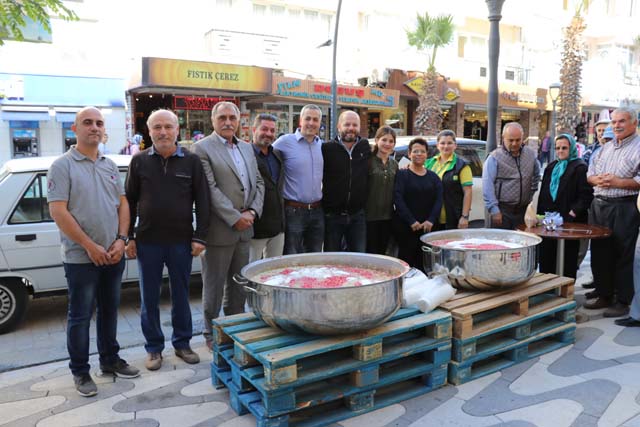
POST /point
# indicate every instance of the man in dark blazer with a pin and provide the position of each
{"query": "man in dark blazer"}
(268, 230)
(237, 195)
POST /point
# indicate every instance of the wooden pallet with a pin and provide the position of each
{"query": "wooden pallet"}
(293, 359)
(477, 312)
(399, 363)
(498, 358)
(398, 386)
(292, 372)
(479, 345)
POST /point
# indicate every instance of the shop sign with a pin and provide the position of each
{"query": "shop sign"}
(197, 102)
(205, 75)
(451, 94)
(415, 84)
(11, 88)
(313, 91)
(529, 98)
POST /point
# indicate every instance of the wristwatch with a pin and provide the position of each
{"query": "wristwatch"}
(125, 239)
(465, 216)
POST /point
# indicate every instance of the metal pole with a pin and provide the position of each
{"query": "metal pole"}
(495, 10)
(552, 142)
(334, 83)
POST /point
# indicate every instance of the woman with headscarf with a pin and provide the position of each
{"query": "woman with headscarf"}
(564, 190)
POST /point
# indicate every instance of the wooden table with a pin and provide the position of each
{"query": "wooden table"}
(568, 231)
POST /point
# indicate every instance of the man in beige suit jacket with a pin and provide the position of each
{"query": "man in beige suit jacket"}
(237, 194)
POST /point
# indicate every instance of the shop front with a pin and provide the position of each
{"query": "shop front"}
(289, 95)
(192, 89)
(36, 112)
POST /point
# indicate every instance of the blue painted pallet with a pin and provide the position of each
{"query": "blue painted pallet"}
(505, 335)
(398, 387)
(284, 359)
(477, 312)
(496, 359)
(354, 377)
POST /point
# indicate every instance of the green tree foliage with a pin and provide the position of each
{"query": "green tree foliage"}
(429, 34)
(13, 14)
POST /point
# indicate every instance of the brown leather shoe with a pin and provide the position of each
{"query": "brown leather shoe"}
(601, 302)
(153, 362)
(188, 355)
(616, 310)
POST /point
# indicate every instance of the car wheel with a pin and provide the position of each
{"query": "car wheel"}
(13, 303)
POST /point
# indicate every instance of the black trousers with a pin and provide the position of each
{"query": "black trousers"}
(378, 234)
(548, 251)
(612, 258)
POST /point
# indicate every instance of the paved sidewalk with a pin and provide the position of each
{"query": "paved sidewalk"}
(595, 382)
(42, 338)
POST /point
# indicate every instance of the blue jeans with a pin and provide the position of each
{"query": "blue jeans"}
(350, 227)
(304, 230)
(151, 260)
(88, 285)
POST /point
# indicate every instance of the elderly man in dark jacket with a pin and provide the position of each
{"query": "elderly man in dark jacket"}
(344, 186)
(268, 230)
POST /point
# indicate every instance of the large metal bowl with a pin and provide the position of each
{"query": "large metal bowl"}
(324, 311)
(482, 269)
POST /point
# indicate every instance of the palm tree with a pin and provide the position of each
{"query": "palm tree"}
(573, 56)
(429, 34)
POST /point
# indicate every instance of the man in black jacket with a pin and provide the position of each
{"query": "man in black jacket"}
(344, 186)
(163, 183)
(268, 230)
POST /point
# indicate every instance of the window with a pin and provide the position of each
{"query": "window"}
(473, 155)
(224, 3)
(510, 75)
(310, 15)
(483, 71)
(33, 206)
(259, 9)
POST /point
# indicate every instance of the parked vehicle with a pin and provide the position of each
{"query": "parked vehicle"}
(474, 152)
(30, 255)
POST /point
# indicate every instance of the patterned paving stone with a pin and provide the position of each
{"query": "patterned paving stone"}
(622, 408)
(175, 416)
(450, 413)
(419, 406)
(593, 395)
(132, 423)
(629, 337)
(554, 413)
(97, 412)
(379, 418)
(12, 411)
(201, 388)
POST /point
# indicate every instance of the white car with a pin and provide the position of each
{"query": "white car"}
(474, 152)
(30, 257)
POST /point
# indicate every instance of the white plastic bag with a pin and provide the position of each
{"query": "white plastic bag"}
(424, 293)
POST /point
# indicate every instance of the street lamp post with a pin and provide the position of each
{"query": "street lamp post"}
(495, 10)
(334, 83)
(554, 94)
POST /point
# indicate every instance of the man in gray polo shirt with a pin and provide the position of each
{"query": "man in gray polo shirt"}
(87, 201)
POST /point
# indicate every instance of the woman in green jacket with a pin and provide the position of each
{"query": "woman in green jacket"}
(382, 174)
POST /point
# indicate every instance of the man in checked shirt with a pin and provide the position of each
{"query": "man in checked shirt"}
(615, 176)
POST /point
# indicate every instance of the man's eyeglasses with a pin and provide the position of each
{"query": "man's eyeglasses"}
(562, 148)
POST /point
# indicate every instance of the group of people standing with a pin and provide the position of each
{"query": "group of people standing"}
(292, 195)
(601, 188)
